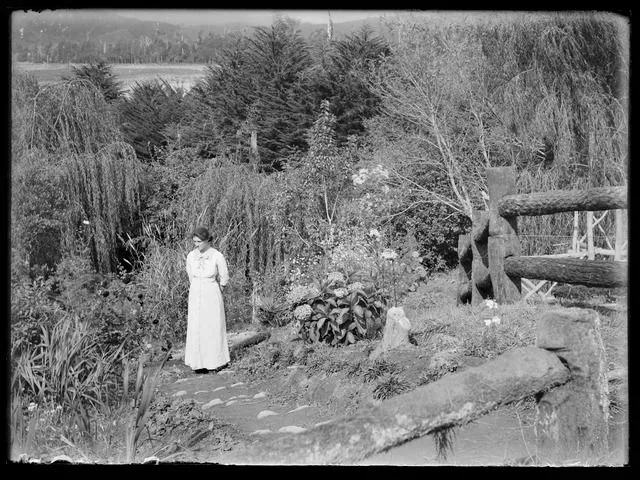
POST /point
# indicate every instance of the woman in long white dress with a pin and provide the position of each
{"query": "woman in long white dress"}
(206, 346)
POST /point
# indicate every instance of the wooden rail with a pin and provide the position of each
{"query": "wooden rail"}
(557, 201)
(494, 246)
(591, 273)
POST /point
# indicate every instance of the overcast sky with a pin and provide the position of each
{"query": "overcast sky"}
(255, 17)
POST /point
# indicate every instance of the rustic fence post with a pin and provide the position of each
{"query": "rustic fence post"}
(591, 255)
(503, 235)
(480, 277)
(619, 234)
(572, 419)
(463, 293)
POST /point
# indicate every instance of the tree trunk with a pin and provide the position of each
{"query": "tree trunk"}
(480, 277)
(556, 201)
(591, 273)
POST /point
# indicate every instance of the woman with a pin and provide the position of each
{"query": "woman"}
(206, 347)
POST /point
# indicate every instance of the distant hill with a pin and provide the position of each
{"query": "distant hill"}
(81, 36)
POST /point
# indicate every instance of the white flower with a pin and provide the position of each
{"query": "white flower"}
(86, 222)
(487, 322)
(303, 312)
(335, 277)
(385, 189)
(389, 254)
(374, 233)
(32, 406)
(495, 320)
(490, 303)
(355, 286)
(341, 292)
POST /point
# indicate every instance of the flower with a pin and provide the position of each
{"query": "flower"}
(360, 177)
(389, 254)
(487, 322)
(495, 320)
(341, 292)
(303, 312)
(374, 233)
(491, 303)
(299, 293)
(335, 277)
(32, 407)
(86, 222)
(352, 287)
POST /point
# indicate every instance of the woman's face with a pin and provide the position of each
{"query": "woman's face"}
(200, 244)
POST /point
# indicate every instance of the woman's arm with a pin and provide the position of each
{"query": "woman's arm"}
(223, 271)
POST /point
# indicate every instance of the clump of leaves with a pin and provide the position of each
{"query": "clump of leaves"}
(354, 369)
(443, 439)
(390, 387)
(339, 315)
(378, 368)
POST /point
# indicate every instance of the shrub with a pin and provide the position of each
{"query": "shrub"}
(338, 315)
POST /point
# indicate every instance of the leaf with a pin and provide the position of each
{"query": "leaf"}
(350, 338)
(321, 322)
(358, 310)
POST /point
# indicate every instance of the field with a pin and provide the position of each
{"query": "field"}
(178, 75)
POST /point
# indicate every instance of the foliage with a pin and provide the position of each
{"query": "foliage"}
(340, 314)
(151, 107)
(390, 387)
(102, 76)
(379, 368)
(39, 214)
(340, 78)
(70, 128)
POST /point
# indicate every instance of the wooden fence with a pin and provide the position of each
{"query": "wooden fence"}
(490, 263)
(566, 370)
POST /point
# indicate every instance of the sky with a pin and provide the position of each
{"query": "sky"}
(255, 17)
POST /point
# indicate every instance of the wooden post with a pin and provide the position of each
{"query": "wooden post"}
(463, 295)
(590, 251)
(575, 245)
(480, 277)
(572, 420)
(503, 235)
(619, 234)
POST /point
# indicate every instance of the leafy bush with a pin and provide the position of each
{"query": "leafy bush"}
(339, 314)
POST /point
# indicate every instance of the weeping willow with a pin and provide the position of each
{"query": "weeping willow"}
(563, 103)
(237, 205)
(74, 128)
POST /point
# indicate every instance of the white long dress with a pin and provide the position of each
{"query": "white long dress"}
(206, 345)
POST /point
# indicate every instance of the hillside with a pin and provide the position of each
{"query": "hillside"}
(83, 36)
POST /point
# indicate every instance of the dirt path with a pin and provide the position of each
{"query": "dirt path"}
(259, 413)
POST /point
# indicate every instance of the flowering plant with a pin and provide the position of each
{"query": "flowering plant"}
(339, 313)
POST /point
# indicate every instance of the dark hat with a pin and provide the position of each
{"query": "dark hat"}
(203, 234)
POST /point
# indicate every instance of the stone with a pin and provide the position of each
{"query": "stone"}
(292, 429)
(212, 403)
(396, 332)
(266, 413)
(301, 407)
